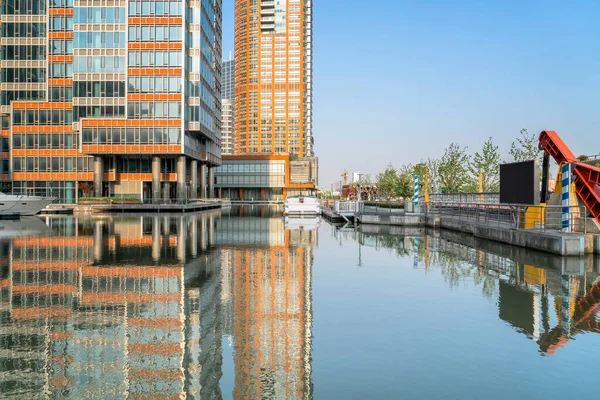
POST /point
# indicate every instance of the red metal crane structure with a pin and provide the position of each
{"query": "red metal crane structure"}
(583, 320)
(587, 177)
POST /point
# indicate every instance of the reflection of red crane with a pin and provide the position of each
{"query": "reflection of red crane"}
(587, 177)
(583, 320)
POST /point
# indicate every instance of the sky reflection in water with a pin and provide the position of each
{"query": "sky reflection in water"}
(242, 304)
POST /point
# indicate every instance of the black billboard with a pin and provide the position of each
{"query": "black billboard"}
(520, 183)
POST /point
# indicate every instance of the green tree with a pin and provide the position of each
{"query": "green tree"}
(428, 168)
(453, 169)
(406, 186)
(420, 170)
(433, 167)
(525, 148)
(488, 161)
(387, 182)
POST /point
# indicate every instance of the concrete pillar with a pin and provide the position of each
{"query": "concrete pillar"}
(211, 182)
(203, 181)
(194, 236)
(181, 181)
(181, 239)
(211, 230)
(203, 232)
(98, 175)
(156, 239)
(194, 179)
(98, 241)
(166, 227)
(166, 192)
(155, 179)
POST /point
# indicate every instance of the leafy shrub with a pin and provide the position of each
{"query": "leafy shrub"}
(117, 198)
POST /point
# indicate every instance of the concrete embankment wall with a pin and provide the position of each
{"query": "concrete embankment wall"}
(564, 244)
(395, 220)
(522, 255)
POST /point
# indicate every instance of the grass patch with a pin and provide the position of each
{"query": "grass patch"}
(106, 199)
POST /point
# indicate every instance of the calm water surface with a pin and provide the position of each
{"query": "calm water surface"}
(242, 304)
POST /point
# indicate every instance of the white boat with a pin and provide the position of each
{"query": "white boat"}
(27, 226)
(302, 205)
(302, 224)
(23, 205)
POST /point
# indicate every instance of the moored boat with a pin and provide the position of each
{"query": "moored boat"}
(23, 205)
(302, 205)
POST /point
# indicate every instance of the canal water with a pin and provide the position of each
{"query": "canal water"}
(244, 304)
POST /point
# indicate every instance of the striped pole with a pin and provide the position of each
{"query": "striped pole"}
(565, 314)
(416, 198)
(416, 253)
(566, 194)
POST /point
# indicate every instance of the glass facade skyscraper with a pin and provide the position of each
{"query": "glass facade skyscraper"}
(228, 101)
(273, 77)
(227, 91)
(124, 94)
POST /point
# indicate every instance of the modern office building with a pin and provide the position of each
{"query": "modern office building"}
(270, 177)
(273, 72)
(124, 94)
(228, 77)
(227, 100)
(227, 127)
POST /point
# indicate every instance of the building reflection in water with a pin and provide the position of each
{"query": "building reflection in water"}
(272, 310)
(549, 299)
(136, 307)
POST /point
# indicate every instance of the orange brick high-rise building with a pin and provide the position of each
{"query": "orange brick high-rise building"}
(273, 77)
(124, 94)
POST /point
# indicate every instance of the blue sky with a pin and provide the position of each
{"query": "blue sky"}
(397, 81)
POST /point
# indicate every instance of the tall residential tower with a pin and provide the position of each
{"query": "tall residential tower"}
(273, 73)
(227, 102)
(124, 94)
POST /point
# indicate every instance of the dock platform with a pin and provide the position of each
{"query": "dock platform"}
(155, 208)
(331, 215)
(57, 211)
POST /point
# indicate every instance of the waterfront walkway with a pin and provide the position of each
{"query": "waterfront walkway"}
(504, 227)
(134, 208)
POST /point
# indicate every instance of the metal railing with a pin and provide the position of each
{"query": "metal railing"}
(514, 216)
(346, 206)
(494, 215)
(383, 207)
(117, 200)
(181, 201)
(550, 218)
(481, 198)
